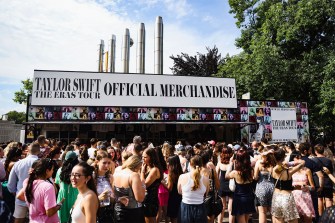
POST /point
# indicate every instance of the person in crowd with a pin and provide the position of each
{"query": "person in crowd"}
(189, 154)
(124, 156)
(193, 187)
(283, 204)
(83, 156)
(224, 190)
(243, 198)
(163, 192)
(67, 149)
(118, 157)
(93, 147)
(303, 183)
(151, 174)
(325, 197)
(13, 155)
(40, 194)
(136, 141)
(54, 155)
(174, 199)
(86, 205)
(65, 188)
(129, 192)
(290, 148)
(44, 146)
(112, 153)
(17, 175)
(104, 182)
(305, 150)
(208, 170)
(265, 185)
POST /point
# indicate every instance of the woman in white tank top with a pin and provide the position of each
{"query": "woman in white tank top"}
(193, 187)
(86, 206)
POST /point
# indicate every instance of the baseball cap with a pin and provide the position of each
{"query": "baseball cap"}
(70, 155)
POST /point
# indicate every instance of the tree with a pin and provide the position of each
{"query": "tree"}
(198, 65)
(288, 54)
(21, 95)
(18, 117)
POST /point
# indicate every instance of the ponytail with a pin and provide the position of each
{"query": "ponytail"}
(196, 178)
(29, 188)
(196, 163)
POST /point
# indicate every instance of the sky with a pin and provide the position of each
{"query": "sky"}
(65, 35)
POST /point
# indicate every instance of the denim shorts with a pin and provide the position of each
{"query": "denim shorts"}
(192, 213)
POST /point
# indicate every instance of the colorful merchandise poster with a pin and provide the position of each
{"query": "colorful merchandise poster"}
(142, 113)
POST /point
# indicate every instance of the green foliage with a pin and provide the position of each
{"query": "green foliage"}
(198, 65)
(21, 95)
(288, 54)
(18, 117)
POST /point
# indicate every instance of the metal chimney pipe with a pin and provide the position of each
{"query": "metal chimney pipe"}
(101, 56)
(112, 54)
(140, 65)
(126, 51)
(159, 46)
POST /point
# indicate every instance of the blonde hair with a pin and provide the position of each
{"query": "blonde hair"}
(132, 163)
(196, 163)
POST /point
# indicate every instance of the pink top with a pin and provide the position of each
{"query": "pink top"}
(299, 179)
(44, 198)
(162, 189)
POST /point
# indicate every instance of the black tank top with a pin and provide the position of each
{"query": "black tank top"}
(284, 184)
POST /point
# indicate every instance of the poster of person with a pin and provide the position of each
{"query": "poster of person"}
(244, 110)
(99, 113)
(292, 104)
(31, 113)
(244, 118)
(217, 114)
(303, 105)
(92, 113)
(267, 120)
(260, 119)
(109, 113)
(83, 113)
(188, 114)
(125, 114)
(75, 113)
(283, 104)
(117, 114)
(150, 113)
(242, 103)
(39, 113)
(259, 112)
(158, 114)
(304, 111)
(172, 114)
(252, 111)
(195, 114)
(267, 111)
(49, 113)
(253, 104)
(181, 115)
(165, 114)
(304, 118)
(202, 113)
(271, 104)
(268, 129)
(142, 113)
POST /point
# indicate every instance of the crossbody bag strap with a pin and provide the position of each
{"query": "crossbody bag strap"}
(279, 178)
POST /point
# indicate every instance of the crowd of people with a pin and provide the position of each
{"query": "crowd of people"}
(47, 181)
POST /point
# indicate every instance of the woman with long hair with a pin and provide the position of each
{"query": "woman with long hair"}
(54, 155)
(193, 187)
(163, 192)
(265, 185)
(224, 190)
(208, 170)
(83, 156)
(243, 199)
(129, 192)
(151, 175)
(303, 183)
(283, 205)
(104, 181)
(13, 155)
(174, 171)
(65, 188)
(86, 206)
(40, 194)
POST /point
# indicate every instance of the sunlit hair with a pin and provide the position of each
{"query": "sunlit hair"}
(226, 154)
(269, 159)
(279, 154)
(125, 155)
(196, 163)
(243, 165)
(132, 163)
(175, 169)
(103, 154)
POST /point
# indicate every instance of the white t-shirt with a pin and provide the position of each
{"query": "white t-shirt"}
(91, 152)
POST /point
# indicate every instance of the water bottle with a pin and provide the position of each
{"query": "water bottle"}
(106, 201)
